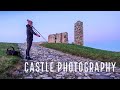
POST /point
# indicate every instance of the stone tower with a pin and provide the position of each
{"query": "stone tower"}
(78, 33)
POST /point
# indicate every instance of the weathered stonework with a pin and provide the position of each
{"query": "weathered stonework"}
(58, 38)
(78, 33)
(65, 37)
(52, 38)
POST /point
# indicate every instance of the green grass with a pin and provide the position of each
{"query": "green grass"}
(7, 62)
(86, 52)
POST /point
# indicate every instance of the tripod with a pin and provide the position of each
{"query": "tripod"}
(39, 33)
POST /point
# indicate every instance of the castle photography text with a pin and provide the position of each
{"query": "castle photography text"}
(33, 67)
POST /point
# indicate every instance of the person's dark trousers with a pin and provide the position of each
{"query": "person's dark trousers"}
(29, 44)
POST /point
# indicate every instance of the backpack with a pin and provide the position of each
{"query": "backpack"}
(11, 51)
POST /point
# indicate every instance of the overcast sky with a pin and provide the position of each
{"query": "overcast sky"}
(101, 28)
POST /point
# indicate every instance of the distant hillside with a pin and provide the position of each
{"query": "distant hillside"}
(86, 52)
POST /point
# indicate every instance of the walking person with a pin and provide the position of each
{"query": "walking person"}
(30, 34)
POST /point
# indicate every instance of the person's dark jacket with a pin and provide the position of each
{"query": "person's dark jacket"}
(30, 33)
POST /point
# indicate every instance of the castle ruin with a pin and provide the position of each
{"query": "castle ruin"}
(58, 38)
(63, 37)
(78, 33)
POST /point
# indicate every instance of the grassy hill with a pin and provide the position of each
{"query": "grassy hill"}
(7, 62)
(86, 52)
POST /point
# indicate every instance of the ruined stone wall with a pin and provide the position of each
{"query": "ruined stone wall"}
(78, 33)
(65, 37)
(52, 38)
(58, 38)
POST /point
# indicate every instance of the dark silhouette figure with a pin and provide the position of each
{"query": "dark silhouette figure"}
(30, 34)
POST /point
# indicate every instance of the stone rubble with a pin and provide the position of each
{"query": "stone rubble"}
(39, 53)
